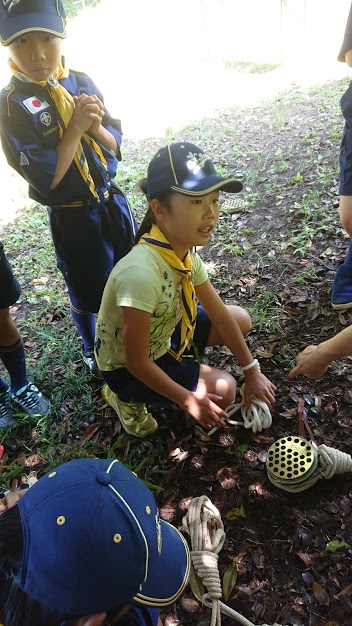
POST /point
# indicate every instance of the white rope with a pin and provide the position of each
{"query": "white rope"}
(203, 524)
(330, 462)
(256, 416)
(334, 461)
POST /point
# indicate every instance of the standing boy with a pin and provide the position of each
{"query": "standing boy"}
(57, 134)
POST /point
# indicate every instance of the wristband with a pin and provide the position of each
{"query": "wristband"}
(253, 364)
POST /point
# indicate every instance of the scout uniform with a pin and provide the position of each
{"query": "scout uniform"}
(92, 227)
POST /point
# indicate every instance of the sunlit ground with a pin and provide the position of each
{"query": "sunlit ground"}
(160, 74)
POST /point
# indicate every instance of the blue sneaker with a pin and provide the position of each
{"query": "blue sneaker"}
(6, 410)
(341, 294)
(31, 401)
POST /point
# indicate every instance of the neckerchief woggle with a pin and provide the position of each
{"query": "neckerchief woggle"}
(156, 239)
(65, 106)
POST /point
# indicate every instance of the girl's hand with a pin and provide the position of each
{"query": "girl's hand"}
(258, 385)
(311, 363)
(204, 410)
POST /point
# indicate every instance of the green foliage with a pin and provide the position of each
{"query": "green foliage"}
(229, 580)
(73, 7)
(266, 312)
(196, 585)
(249, 67)
(333, 546)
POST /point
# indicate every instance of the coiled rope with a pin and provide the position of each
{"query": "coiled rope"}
(330, 462)
(203, 524)
(256, 416)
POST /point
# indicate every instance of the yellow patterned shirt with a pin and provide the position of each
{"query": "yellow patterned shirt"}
(145, 281)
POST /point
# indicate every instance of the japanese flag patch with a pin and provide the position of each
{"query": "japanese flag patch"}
(34, 104)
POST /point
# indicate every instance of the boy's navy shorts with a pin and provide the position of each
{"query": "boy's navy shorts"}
(10, 288)
(345, 158)
(185, 373)
(89, 240)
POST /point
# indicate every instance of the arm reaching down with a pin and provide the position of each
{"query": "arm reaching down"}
(314, 360)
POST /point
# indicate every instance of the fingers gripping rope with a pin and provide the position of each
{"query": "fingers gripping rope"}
(204, 526)
(256, 416)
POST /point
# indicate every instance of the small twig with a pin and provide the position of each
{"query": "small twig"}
(303, 425)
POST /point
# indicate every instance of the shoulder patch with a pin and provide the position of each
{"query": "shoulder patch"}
(5, 98)
(6, 90)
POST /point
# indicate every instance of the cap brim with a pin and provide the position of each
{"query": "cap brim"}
(207, 185)
(18, 25)
(168, 574)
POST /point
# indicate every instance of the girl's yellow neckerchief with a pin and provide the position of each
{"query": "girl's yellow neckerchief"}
(156, 239)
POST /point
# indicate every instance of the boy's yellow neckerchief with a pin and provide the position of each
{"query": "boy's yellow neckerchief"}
(156, 239)
(65, 106)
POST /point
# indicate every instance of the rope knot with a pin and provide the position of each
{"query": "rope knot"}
(333, 461)
(203, 524)
(206, 565)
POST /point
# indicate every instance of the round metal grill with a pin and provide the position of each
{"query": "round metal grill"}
(291, 460)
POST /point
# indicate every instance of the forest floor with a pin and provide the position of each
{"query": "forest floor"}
(287, 557)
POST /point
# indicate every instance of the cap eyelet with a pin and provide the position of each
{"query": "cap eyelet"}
(61, 520)
(52, 474)
(148, 509)
(117, 538)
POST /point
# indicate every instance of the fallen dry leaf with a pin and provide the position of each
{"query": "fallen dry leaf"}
(320, 593)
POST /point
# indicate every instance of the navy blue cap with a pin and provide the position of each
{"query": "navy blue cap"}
(18, 17)
(93, 541)
(184, 168)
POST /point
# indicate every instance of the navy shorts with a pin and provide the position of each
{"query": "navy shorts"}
(89, 240)
(10, 288)
(185, 373)
(345, 157)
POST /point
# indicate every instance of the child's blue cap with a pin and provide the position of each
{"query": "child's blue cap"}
(93, 541)
(184, 168)
(18, 17)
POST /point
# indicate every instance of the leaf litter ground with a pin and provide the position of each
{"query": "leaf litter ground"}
(277, 256)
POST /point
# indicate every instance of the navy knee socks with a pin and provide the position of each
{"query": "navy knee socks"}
(85, 324)
(14, 360)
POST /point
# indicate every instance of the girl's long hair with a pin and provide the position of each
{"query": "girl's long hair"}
(149, 218)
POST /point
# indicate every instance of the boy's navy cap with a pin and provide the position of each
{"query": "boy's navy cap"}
(93, 541)
(183, 167)
(18, 17)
